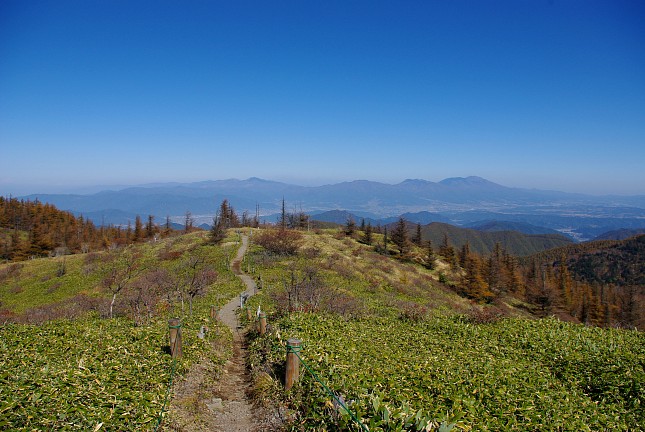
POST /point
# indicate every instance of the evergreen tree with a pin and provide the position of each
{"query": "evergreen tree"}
(188, 222)
(447, 251)
(400, 236)
(227, 217)
(417, 240)
(168, 226)
(350, 226)
(367, 234)
(464, 254)
(282, 222)
(430, 257)
(150, 226)
(138, 229)
(217, 232)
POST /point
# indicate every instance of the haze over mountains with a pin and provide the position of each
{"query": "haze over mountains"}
(470, 201)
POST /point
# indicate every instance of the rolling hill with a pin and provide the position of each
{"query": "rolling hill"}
(483, 243)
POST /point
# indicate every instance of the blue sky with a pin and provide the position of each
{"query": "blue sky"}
(538, 94)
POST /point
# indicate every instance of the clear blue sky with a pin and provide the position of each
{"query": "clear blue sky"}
(539, 94)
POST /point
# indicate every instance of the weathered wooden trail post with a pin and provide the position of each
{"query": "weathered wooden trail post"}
(293, 363)
(249, 314)
(174, 327)
(213, 312)
(263, 323)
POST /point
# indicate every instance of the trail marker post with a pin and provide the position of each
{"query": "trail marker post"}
(174, 327)
(263, 323)
(292, 372)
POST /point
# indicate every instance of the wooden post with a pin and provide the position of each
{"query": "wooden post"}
(174, 326)
(249, 314)
(213, 312)
(263, 323)
(293, 363)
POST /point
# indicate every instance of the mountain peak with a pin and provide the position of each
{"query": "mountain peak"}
(467, 181)
(415, 182)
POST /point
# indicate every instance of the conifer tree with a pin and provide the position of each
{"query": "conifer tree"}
(168, 226)
(464, 254)
(282, 222)
(367, 234)
(474, 284)
(564, 280)
(417, 240)
(138, 229)
(350, 226)
(150, 226)
(447, 251)
(188, 222)
(400, 236)
(430, 256)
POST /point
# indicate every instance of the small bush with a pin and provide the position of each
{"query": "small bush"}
(167, 254)
(486, 315)
(12, 270)
(280, 241)
(311, 253)
(412, 312)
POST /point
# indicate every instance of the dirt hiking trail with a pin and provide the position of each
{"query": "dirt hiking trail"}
(236, 413)
(222, 406)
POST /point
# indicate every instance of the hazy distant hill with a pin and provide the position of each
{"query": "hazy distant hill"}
(483, 243)
(620, 234)
(496, 225)
(457, 201)
(338, 217)
(341, 216)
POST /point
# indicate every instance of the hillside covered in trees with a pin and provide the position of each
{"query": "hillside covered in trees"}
(483, 242)
(31, 229)
(602, 282)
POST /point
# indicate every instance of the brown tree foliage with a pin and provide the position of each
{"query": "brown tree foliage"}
(33, 229)
(279, 241)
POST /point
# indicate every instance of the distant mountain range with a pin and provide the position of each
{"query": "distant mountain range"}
(470, 201)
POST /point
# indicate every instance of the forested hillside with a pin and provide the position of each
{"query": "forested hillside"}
(30, 229)
(602, 282)
(483, 242)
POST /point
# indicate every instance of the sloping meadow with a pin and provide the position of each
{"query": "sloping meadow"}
(436, 370)
(96, 373)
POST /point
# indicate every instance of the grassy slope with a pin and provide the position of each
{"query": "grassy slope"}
(76, 374)
(512, 374)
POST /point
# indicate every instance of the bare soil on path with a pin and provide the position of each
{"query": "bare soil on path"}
(223, 405)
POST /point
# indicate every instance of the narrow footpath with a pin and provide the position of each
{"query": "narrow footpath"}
(202, 405)
(236, 411)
